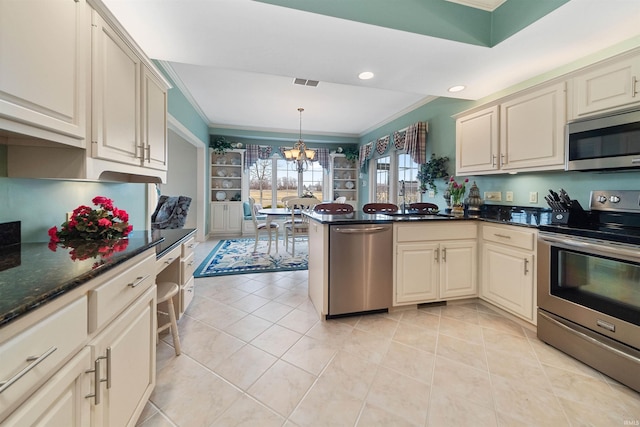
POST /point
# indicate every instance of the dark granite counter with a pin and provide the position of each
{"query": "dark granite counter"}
(37, 274)
(511, 215)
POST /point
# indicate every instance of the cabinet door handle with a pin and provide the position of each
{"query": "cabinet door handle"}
(141, 155)
(108, 357)
(97, 393)
(138, 281)
(493, 160)
(35, 361)
(502, 160)
(437, 253)
(634, 84)
(444, 254)
(526, 266)
(148, 150)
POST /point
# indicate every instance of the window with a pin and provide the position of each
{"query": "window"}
(388, 175)
(272, 179)
(383, 180)
(407, 173)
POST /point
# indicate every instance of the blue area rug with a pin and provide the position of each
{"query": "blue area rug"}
(236, 256)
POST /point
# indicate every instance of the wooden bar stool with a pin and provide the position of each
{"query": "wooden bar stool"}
(166, 291)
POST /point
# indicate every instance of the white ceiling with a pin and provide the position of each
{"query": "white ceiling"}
(238, 58)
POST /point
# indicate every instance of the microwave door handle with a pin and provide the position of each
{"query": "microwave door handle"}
(600, 248)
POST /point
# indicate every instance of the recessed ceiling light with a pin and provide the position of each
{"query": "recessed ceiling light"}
(456, 88)
(365, 75)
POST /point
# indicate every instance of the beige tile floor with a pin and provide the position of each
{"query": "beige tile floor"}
(256, 354)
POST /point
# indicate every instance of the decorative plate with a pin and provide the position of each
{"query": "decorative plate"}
(349, 185)
(226, 184)
(221, 195)
(222, 173)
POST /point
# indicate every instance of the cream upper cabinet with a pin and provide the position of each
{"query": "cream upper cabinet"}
(434, 262)
(43, 69)
(508, 269)
(521, 133)
(532, 130)
(477, 141)
(116, 97)
(606, 87)
(154, 121)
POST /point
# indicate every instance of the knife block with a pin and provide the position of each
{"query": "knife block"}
(574, 215)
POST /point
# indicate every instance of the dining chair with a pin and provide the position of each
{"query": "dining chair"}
(341, 199)
(423, 207)
(262, 227)
(380, 208)
(333, 208)
(298, 225)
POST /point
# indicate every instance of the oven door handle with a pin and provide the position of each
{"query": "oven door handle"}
(598, 247)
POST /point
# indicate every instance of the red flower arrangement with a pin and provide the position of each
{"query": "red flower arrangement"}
(93, 232)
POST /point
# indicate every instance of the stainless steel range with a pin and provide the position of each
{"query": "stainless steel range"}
(589, 286)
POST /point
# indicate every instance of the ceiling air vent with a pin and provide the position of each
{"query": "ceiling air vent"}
(305, 82)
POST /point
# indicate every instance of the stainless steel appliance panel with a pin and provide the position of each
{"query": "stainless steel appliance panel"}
(360, 268)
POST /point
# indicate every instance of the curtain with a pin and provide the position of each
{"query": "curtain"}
(255, 152)
(365, 153)
(382, 144)
(399, 138)
(416, 142)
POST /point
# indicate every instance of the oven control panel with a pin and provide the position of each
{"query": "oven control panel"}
(611, 200)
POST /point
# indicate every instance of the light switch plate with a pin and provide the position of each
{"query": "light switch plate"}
(533, 197)
(508, 196)
(432, 193)
(494, 196)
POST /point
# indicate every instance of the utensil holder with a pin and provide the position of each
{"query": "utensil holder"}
(573, 215)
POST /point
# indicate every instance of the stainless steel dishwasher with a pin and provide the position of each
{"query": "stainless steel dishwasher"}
(360, 268)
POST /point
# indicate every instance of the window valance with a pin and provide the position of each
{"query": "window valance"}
(413, 139)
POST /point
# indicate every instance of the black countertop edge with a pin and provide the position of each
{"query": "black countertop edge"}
(171, 239)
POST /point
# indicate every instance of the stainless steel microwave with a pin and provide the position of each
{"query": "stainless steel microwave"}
(604, 142)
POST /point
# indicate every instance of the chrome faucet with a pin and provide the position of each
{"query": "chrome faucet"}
(403, 195)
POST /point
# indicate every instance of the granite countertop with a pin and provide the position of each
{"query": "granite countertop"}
(32, 274)
(511, 215)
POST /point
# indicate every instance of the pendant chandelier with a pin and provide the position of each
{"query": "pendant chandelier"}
(300, 155)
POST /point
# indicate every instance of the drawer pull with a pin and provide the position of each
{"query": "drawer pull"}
(190, 263)
(504, 236)
(138, 281)
(191, 246)
(35, 361)
(169, 261)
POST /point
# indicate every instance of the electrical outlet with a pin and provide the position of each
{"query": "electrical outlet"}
(494, 196)
(69, 214)
(432, 193)
(508, 196)
(533, 197)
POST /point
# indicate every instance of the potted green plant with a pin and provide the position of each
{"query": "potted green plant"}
(351, 153)
(429, 172)
(220, 145)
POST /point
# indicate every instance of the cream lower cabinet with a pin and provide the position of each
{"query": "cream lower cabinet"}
(128, 373)
(226, 218)
(434, 262)
(60, 401)
(508, 269)
(95, 352)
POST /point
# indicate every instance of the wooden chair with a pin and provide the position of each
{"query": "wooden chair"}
(297, 226)
(424, 208)
(166, 291)
(333, 208)
(380, 208)
(262, 226)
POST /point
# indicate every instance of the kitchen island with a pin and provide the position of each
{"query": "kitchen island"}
(433, 257)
